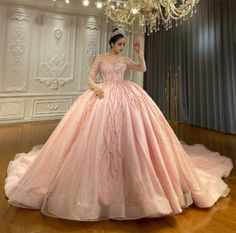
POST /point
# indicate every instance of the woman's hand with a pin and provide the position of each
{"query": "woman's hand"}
(137, 46)
(98, 91)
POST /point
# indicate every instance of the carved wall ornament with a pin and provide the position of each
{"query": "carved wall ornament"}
(58, 34)
(91, 26)
(54, 83)
(55, 66)
(52, 107)
(17, 49)
(20, 19)
(14, 89)
(53, 71)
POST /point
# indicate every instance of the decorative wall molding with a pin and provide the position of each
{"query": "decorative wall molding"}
(12, 109)
(14, 89)
(91, 38)
(56, 51)
(50, 107)
(46, 59)
(54, 68)
(19, 18)
(17, 49)
(58, 33)
(17, 44)
(3, 17)
(91, 49)
(54, 83)
(91, 25)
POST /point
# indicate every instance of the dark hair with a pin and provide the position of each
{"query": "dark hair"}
(115, 38)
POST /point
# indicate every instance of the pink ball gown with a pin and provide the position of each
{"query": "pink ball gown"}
(115, 158)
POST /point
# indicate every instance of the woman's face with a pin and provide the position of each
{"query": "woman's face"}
(119, 46)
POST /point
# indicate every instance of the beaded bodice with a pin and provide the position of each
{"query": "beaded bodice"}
(113, 70)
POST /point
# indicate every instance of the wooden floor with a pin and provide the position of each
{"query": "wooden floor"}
(220, 218)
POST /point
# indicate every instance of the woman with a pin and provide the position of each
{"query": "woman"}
(113, 155)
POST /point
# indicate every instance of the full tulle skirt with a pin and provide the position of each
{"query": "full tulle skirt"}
(115, 158)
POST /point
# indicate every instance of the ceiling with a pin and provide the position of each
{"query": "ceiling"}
(75, 6)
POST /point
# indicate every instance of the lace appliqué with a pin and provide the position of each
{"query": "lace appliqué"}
(112, 160)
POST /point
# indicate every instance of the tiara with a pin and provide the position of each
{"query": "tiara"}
(116, 32)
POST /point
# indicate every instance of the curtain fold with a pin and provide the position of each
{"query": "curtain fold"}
(202, 50)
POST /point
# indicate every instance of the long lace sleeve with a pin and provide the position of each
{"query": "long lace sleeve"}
(141, 67)
(93, 72)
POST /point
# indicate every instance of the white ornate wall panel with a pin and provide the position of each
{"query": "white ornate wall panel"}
(55, 59)
(91, 45)
(3, 10)
(45, 58)
(16, 50)
(12, 109)
(43, 107)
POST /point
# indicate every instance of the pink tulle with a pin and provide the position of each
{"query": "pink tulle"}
(118, 158)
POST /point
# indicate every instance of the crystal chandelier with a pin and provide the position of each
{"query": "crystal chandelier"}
(148, 15)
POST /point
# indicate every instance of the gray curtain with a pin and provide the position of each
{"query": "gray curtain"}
(203, 52)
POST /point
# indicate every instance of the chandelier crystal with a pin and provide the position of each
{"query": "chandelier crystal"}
(148, 15)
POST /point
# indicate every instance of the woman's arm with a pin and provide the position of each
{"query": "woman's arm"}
(93, 72)
(140, 67)
(92, 76)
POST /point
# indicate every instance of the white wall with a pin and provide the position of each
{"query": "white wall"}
(45, 58)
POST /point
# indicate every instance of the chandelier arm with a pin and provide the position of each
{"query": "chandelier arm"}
(147, 15)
